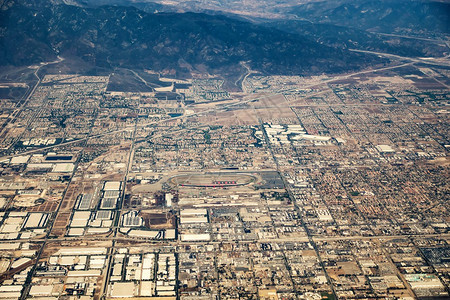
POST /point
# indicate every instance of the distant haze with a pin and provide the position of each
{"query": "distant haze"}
(256, 8)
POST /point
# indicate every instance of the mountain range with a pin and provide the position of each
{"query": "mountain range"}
(124, 36)
(411, 17)
(315, 37)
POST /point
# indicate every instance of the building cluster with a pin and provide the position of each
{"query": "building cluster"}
(303, 188)
(142, 274)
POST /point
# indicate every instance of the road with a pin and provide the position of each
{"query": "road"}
(116, 226)
(315, 238)
(141, 79)
(409, 37)
(438, 61)
(249, 72)
(12, 118)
